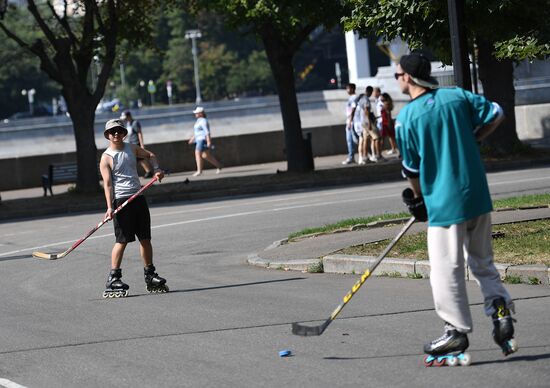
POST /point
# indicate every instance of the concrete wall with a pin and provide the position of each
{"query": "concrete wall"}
(178, 156)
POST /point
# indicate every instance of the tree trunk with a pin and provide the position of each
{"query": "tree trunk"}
(497, 78)
(82, 111)
(280, 60)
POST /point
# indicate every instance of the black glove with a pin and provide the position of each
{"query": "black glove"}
(416, 205)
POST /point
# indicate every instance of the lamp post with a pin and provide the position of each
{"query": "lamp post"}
(194, 35)
(30, 94)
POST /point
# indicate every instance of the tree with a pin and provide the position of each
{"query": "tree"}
(504, 31)
(70, 35)
(283, 26)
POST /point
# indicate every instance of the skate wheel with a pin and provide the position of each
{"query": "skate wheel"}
(466, 359)
(512, 346)
(428, 360)
(440, 361)
(452, 361)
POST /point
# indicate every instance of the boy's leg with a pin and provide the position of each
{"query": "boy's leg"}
(116, 255)
(146, 250)
(447, 275)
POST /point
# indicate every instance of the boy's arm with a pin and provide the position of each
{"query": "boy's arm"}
(105, 169)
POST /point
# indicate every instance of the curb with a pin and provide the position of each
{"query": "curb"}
(416, 269)
(290, 265)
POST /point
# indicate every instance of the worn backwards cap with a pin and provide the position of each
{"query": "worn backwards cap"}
(115, 123)
(125, 114)
(419, 68)
(198, 109)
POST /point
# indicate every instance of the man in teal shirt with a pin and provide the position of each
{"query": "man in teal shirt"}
(437, 134)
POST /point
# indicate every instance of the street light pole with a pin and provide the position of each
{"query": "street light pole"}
(194, 35)
(30, 94)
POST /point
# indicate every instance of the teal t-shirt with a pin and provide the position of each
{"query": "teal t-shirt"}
(435, 135)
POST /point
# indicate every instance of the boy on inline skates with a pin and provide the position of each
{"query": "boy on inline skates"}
(437, 134)
(118, 168)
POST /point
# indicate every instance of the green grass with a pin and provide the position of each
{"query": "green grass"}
(508, 203)
(522, 243)
(346, 224)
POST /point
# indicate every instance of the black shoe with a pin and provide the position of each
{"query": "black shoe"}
(452, 341)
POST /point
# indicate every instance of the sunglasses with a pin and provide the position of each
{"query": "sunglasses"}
(397, 75)
(115, 131)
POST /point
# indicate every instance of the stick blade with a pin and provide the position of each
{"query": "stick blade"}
(306, 331)
(46, 256)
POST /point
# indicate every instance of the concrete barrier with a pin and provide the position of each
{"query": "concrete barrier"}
(178, 156)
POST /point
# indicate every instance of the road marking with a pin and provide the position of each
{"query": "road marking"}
(240, 214)
(10, 384)
(192, 221)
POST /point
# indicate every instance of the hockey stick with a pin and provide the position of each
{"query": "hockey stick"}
(54, 256)
(306, 331)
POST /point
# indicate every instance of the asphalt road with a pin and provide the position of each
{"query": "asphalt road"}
(224, 322)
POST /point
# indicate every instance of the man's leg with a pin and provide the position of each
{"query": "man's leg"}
(447, 275)
(351, 146)
(479, 250)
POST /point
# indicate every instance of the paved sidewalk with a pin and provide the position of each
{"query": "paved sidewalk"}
(305, 254)
(239, 180)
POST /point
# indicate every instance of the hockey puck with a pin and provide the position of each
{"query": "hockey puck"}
(285, 353)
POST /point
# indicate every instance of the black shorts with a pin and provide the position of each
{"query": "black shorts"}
(133, 220)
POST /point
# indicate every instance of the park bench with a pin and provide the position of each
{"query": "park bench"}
(58, 173)
(62, 173)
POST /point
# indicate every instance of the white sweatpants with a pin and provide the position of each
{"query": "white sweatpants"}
(448, 248)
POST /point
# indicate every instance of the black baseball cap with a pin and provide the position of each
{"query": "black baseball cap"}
(419, 68)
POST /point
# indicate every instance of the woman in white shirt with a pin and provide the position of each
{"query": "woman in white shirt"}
(203, 142)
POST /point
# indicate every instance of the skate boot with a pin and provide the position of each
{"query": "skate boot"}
(503, 331)
(448, 349)
(153, 282)
(115, 288)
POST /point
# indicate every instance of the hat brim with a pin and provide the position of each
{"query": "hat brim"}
(430, 83)
(106, 132)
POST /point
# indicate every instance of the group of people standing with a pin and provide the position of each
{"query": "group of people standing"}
(368, 124)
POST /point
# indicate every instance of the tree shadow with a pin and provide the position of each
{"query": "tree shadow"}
(16, 257)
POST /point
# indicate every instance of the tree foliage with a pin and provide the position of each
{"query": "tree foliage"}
(504, 31)
(282, 26)
(517, 28)
(66, 38)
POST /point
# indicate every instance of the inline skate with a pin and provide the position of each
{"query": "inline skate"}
(448, 349)
(503, 330)
(115, 288)
(153, 282)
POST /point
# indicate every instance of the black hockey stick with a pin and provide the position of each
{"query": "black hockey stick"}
(55, 256)
(306, 331)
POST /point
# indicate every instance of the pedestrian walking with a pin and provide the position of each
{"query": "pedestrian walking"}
(135, 136)
(203, 142)
(388, 130)
(352, 121)
(118, 166)
(370, 131)
(437, 134)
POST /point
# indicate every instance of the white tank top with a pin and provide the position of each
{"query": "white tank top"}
(124, 172)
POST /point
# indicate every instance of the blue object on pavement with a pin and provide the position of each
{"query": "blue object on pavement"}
(285, 353)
